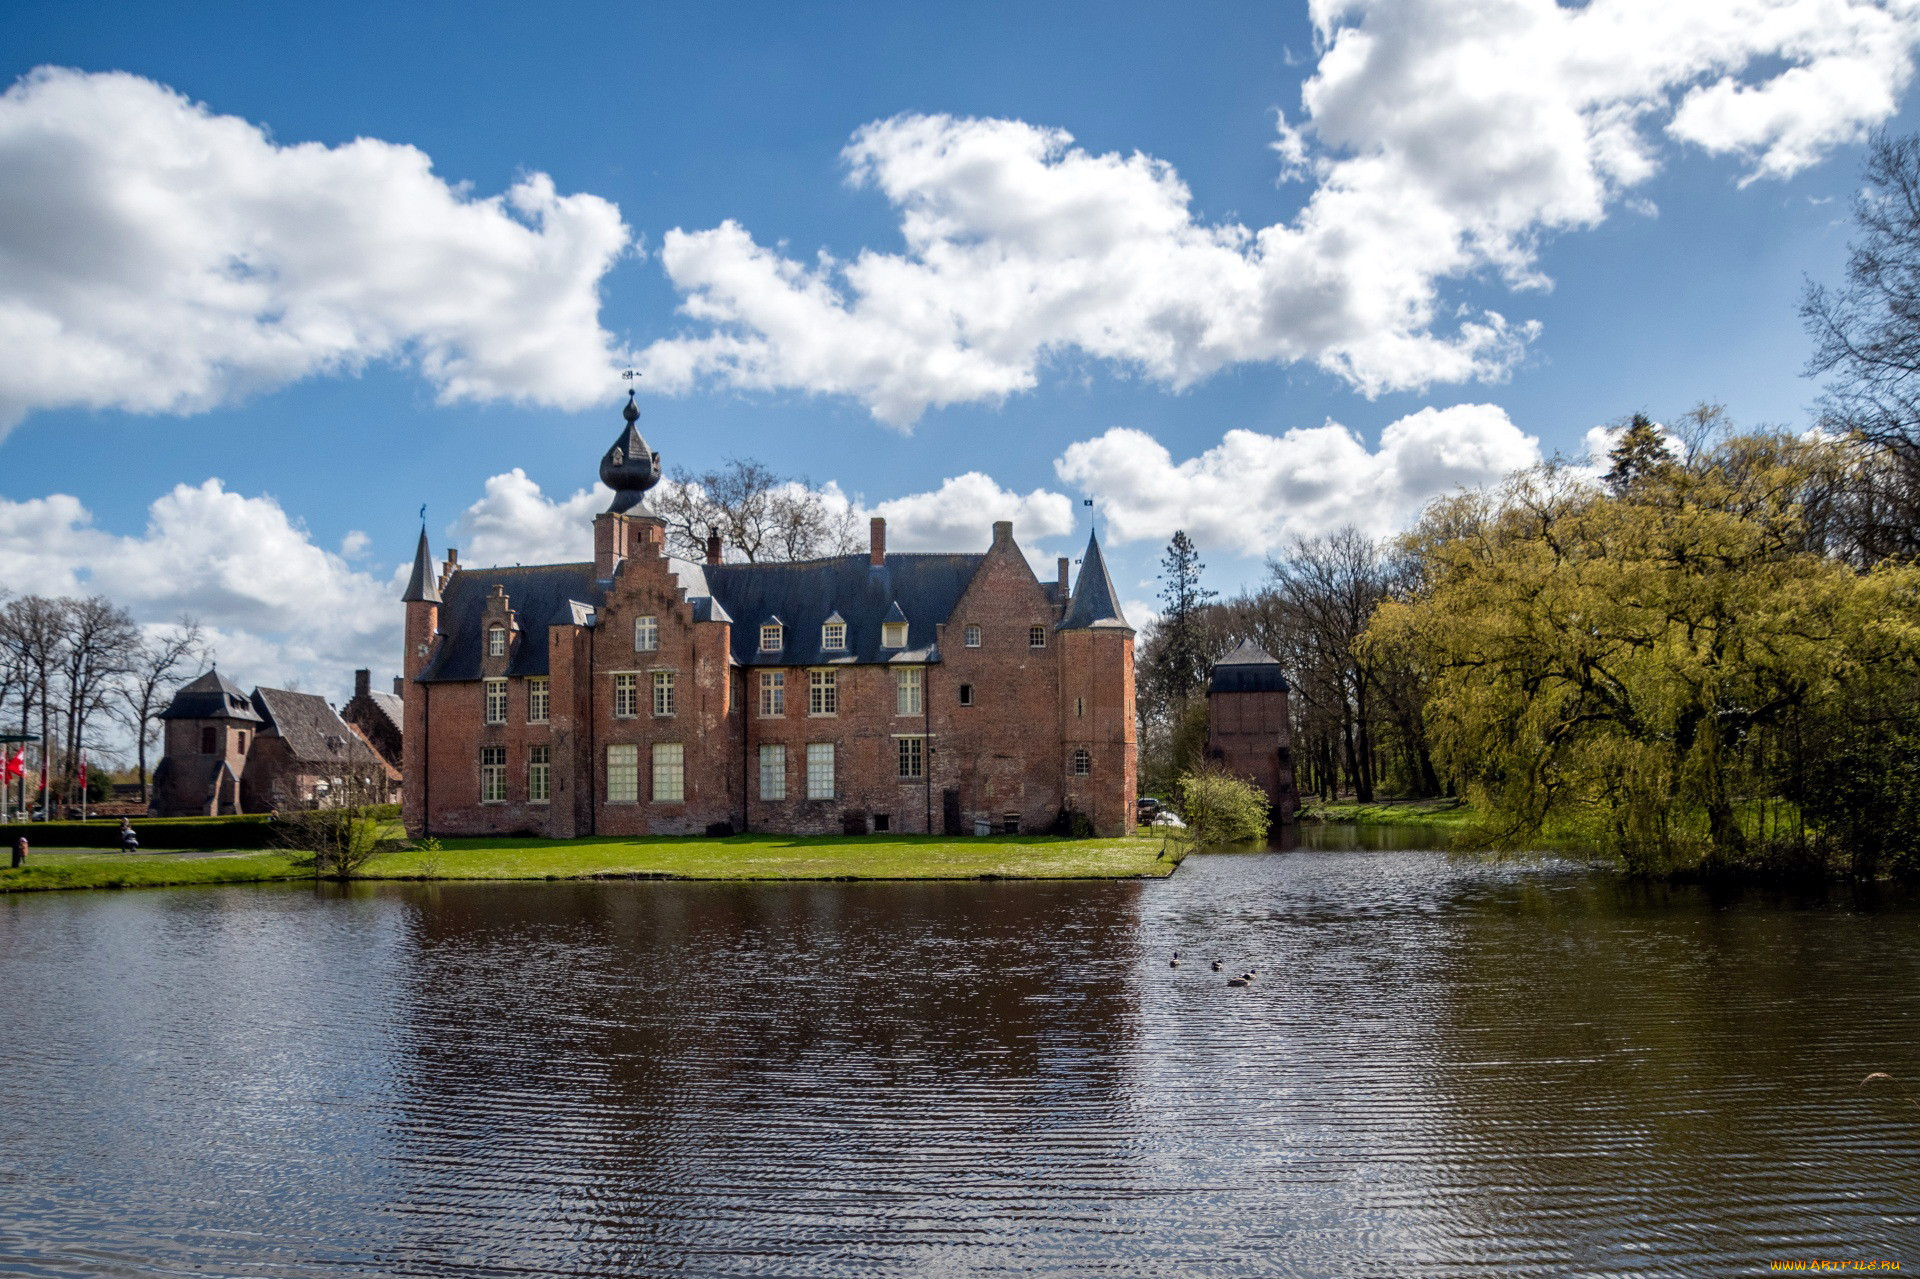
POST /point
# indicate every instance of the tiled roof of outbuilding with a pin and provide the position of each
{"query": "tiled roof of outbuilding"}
(211, 696)
(1247, 669)
(926, 587)
(312, 730)
(392, 707)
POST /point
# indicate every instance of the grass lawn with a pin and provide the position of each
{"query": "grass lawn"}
(784, 857)
(1449, 813)
(738, 857)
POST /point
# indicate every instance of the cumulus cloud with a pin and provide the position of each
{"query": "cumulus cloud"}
(156, 257)
(1252, 492)
(1445, 138)
(279, 607)
(959, 515)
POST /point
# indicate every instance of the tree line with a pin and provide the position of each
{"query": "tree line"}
(72, 666)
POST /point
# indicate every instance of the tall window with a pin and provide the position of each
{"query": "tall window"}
(1082, 762)
(1036, 637)
(973, 637)
(537, 699)
(771, 638)
(911, 758)
(539, 775)
(646, 634)
(773, 772)
(773, 693)
(966, 694)
(833, 636)
(209, 741)
(906, 691)
(820, 770)
(626, 696)
(663, 692)
(623, 774)
(823, 692)
(669, 773)
(496, 701)
(496, 641)
(493, 774)
(893, 635)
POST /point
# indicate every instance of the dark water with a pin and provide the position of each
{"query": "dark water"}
(1444, 1068)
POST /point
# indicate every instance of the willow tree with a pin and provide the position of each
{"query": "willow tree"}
(1629, 662)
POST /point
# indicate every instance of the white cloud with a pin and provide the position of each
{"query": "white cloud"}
(156, 257)
(1251, 492)
(1446, 138)
(515, 523)
(279, 607)
(959, 516)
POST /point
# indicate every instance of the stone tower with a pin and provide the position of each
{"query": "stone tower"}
(209, 728)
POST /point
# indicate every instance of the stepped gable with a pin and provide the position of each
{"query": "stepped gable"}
(1247, 669)
(1094, 604)
(803, 595)
(212, 696)
(392, 707)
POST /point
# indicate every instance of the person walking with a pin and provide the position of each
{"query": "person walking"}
(20, 852)
(129, 842)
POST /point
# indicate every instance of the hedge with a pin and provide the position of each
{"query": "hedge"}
(155, 832)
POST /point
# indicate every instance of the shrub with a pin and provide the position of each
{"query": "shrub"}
(1220, 808)
(247, 831)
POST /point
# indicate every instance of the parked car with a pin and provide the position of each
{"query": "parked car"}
(1146, 808)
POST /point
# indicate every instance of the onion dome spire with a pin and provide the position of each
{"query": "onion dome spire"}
(629, 468)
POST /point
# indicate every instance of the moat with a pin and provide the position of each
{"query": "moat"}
(1444, 1067)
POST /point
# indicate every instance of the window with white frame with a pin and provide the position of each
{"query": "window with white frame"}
(833, 636)
(646, 634)
(1036, 637)
(773, 694)
(669, 773)
(823, 692)
(623, 774)
(663, 693)
(907, 684)
(1082, 762)
(893, 635)
(773, 771)
(772, 637)
(626, 695)
(820, 770)
(972, 635)
(496, 701)
(912, 758)
(539, 775)
(493, 774)
(537, 699)
(496, 640)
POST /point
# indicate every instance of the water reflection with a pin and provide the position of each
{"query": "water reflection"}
(1447, 1066)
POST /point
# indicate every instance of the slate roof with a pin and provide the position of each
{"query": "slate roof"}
(1093, 603)
(212, 696)
(926, 586)
(422, 587)
(392, 707)
(1247, 669)
(312, 730)
(539, 594)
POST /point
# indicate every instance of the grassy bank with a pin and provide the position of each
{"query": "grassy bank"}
(1449, 814)
(739, 857)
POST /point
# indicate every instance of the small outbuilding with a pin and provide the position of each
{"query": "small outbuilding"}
(1248, 730)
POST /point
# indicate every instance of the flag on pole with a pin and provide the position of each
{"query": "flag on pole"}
(83, 774)
(16, 765)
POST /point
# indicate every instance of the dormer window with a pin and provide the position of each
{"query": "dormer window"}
(893, 635)
(833, 636)
(772, 637)
(496, 640)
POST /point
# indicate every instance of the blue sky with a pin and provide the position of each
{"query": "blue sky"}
(1671, 277)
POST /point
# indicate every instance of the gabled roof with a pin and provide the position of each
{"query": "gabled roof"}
(539, 595)
(422, 586)
(212, 696)
(391, 707)
(926, 588)
(1093, 603)
(311, 729)
(1247, 669)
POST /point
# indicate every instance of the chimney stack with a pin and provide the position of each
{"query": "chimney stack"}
(877, 542)
(451, 566)
(1002, 531)
(399, 686)
(713, 547)
(362, 683)
(609, 543)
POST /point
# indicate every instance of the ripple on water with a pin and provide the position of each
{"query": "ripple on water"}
(1444, 1067)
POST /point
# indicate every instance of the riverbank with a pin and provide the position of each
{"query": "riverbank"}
(1449, 814)
(740, 857)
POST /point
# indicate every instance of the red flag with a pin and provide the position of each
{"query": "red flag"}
(83, 774)
(16, 766)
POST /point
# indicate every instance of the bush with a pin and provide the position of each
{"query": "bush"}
(1219, 808)
(247, 831)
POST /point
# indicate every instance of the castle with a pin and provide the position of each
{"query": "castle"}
(644, 694)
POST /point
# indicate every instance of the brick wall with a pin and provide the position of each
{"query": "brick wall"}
(1248, 735)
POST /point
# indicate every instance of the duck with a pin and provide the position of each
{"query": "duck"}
(1216, 965)
(1175, 961)
(1236, 981)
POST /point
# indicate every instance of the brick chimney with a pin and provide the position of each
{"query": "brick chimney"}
(362, 683)
(1002, 532)
(400, 686)
(451, 566)
(609, 543)
(877, 542)
(713, 547)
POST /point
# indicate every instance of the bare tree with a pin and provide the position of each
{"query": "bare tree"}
(101, 641)
(34, 631)
(758, 514)
(161, 660)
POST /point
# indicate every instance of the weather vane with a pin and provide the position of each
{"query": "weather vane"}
(629, 375)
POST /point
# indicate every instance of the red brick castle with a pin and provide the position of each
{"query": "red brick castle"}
(645, 694)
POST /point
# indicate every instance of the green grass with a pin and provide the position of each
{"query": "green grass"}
(739, 857)
(1450, 814)
(784, 857)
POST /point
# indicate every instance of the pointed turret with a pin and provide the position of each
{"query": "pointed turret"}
(1093, 598)
(422, 587)
(629, 468)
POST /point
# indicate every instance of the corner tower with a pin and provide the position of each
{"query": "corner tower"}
(1097, 725)
(422, 601)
